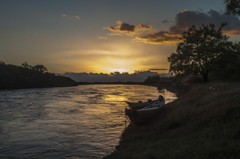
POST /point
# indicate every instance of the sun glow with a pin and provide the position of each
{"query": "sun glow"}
(117, 66)
(115, 56)
(115, 98)
(117, 70)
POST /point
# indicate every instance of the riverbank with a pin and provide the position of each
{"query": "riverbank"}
(202, 123)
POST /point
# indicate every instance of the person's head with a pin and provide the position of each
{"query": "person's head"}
(160, 98)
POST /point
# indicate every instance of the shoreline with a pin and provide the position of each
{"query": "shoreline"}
(178, 90)
(196, 125)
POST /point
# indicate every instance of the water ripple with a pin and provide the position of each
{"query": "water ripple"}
(70, 122)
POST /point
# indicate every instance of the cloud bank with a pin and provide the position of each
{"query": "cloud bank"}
(183, 20)
(113, 77)
(157, 69)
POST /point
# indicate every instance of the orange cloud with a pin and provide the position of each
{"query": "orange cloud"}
(160, 37)
(183, 20)
(77, 17)
(71, 17)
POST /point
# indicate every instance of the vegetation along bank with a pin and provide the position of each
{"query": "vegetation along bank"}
(27, 76)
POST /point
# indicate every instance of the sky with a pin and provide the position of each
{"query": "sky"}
(102, 36)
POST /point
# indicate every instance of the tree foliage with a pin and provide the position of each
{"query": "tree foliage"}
(38, 68)
(27, 76)
(152, 80)
(199, 50)
(228, 66)
(233, 7)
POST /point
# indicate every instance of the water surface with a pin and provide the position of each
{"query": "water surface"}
(67, 122)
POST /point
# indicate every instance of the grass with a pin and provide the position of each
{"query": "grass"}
(202, 123)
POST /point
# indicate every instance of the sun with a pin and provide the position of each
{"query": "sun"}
(116, 65)
(117, 70)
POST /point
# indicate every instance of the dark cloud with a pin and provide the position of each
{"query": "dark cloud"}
(145, 26)
(125, 28)
(186, 19)
(113, 77)
(165, 21)
(113, 28)
(183, 21)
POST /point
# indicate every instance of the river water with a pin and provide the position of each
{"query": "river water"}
(67, 122)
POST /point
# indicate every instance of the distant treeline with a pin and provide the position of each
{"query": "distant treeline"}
(152, 80)
(119, 82)
(27, 76)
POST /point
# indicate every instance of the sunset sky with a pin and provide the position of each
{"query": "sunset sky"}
(102, 35)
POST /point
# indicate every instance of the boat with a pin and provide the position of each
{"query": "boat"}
(146, 114)
(140, 104)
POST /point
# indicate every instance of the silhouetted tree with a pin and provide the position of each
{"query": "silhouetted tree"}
(198, 51)
(26, 65)
(233, 7)
(228, 66)
(40, 68)
(2, 63)
(27, 76)
(152, 80)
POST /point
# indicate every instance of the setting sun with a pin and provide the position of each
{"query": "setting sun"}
(117, 66)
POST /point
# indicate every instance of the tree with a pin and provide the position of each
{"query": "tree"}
(152, 80)
(40, 68)
(26, 65)
(233, 6)
(198, 51)
(228, 66)
(27, 76)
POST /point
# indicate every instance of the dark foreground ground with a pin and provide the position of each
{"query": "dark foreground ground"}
(202, 123)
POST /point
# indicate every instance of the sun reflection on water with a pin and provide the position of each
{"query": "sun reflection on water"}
(115, 98)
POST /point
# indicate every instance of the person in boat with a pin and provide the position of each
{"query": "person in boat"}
(160, 98)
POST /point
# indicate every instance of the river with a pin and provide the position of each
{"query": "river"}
(67, 122)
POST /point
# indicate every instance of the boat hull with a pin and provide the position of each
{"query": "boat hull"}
(141, 117)
(139, 105)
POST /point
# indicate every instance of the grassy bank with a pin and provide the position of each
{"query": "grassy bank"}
(202, 123)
